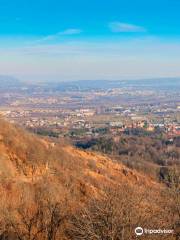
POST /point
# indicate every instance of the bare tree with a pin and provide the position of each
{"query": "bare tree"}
(113, 217)
(173, 200)
(42, 220)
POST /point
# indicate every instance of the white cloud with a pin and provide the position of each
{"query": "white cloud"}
(70, 31)
(125, 27)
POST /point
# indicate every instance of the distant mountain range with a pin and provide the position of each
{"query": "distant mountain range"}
(9, 82)
(83, 85)
(169, 84)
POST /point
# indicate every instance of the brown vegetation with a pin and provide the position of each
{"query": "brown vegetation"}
(54, 191)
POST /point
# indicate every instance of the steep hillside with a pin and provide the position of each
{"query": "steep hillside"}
(27, 158)
(37, 174)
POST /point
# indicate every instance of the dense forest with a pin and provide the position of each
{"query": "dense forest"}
(153, 155)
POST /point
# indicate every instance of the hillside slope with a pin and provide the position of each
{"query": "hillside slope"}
(35, 171)
(25, 157)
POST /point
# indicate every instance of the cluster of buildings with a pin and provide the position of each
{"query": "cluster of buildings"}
(86, 118)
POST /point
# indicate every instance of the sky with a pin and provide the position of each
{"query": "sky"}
(47, 40)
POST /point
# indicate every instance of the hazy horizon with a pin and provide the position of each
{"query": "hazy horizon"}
(6, 79)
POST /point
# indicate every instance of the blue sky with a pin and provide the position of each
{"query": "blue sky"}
(82, 39)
